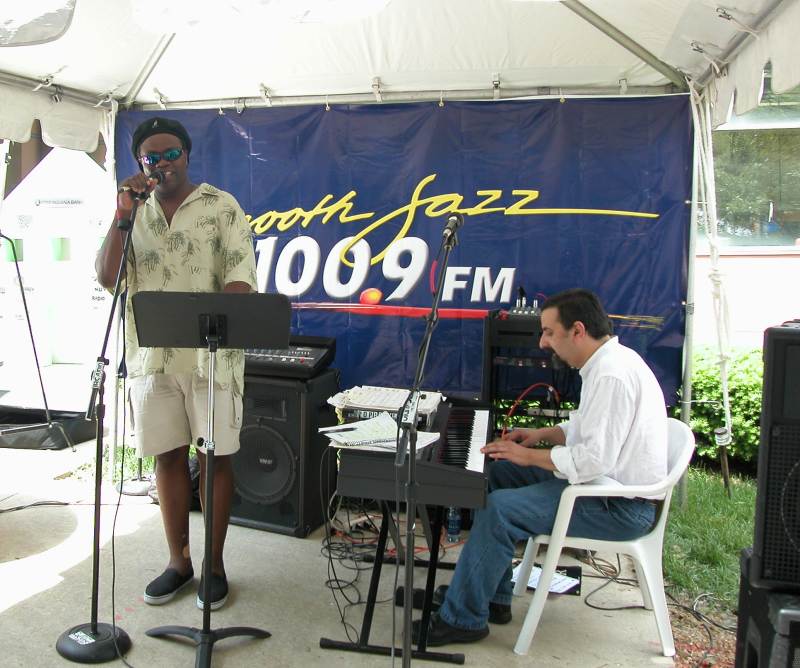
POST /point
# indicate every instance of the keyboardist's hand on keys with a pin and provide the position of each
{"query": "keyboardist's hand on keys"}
(516, 446)
(526, 437)
(505, 448)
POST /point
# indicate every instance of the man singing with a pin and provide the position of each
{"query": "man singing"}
(186, 238)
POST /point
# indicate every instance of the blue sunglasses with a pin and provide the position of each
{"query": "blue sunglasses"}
(170, 154)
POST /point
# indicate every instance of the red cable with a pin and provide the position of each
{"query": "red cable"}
(519, 399)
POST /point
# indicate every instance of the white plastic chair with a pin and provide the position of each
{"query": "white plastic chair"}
(645, 551)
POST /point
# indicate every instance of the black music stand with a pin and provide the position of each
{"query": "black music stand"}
(212, 320)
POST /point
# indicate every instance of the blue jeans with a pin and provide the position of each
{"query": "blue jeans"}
(523, 502)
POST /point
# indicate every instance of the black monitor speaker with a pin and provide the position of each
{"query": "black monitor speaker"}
(768, 627)
(776, 550)
(282, 476)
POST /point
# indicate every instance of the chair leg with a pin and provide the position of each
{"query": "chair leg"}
(644, 586)
(525, 568)
(534, 613)
(654, 578)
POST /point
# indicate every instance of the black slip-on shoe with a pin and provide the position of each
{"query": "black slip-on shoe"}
(498, 613)
(218, 592)
(441, 633)
(165, 586)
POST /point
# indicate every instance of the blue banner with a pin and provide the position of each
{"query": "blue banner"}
(348, 205)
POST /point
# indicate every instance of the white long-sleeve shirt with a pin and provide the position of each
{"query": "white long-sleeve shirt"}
(620, 427)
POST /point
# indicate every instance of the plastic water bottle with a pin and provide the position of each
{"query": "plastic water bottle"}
(453, 524)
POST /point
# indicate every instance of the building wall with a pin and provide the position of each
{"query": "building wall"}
(763, 290)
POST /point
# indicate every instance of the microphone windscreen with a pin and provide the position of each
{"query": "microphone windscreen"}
(157, 175)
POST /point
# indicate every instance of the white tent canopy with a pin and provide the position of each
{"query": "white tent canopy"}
(244, 53)
(154, 54)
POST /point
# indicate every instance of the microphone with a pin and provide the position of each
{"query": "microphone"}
(123, 222)
(454, 221)
(156, 175)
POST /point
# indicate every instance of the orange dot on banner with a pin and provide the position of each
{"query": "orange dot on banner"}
(370, 296)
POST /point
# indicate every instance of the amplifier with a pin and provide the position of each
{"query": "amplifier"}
(513, 360)
(518, 328)
(306, 357)
(776, 548)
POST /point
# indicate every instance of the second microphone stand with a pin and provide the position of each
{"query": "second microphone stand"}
(408, 441)
(50, 423)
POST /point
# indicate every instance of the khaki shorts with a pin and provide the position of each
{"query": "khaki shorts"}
(168, 411)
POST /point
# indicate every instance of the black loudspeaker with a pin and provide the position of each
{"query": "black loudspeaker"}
(776, 549)
(282, 478)
(768, 627)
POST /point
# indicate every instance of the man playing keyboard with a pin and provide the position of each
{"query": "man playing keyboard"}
(619, 431)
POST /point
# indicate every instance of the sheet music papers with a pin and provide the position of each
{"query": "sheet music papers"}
(560, 584)
(370, 397)
(378, 433)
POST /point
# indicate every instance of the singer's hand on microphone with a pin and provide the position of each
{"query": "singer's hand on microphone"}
(138, 185)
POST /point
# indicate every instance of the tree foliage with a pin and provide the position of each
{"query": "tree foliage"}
(754, 168)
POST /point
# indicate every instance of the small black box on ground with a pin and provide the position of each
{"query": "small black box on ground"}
(43, 437)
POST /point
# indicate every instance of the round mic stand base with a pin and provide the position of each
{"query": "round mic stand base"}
(82, 644)
(134, 487)
(138, 486)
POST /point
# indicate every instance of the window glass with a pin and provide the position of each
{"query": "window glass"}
(757, 171)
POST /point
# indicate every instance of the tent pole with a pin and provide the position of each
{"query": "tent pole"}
(686, 383)
(5, 147)
(701, 114)
(720, 297)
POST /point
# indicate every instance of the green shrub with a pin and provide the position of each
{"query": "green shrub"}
(745, 370)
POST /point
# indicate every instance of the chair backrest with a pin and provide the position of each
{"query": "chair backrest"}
(680, 446)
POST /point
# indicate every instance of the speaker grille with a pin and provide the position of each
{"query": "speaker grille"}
(278, 471)
(781, 555)
(265, 467)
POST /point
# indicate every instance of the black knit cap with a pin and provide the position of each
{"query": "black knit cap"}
(156, 126)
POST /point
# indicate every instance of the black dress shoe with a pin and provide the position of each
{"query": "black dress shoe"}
(441, 633)
(498, 613)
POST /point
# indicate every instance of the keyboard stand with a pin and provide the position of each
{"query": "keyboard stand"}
(394, 532)
(421, 652)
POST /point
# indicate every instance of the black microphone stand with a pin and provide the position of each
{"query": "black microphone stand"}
(408, 440)
(99, 642)
(49, 422)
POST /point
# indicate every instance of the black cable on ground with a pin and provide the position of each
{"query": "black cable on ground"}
(35, 504)
(608, 572)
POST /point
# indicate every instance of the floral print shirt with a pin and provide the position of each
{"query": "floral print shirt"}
(208, 245)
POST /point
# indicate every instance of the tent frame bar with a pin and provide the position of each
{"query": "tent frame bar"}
(63, 92)
(238, 104)
(742, 39)
(673, 75)
(242, 103)
(147, 69)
